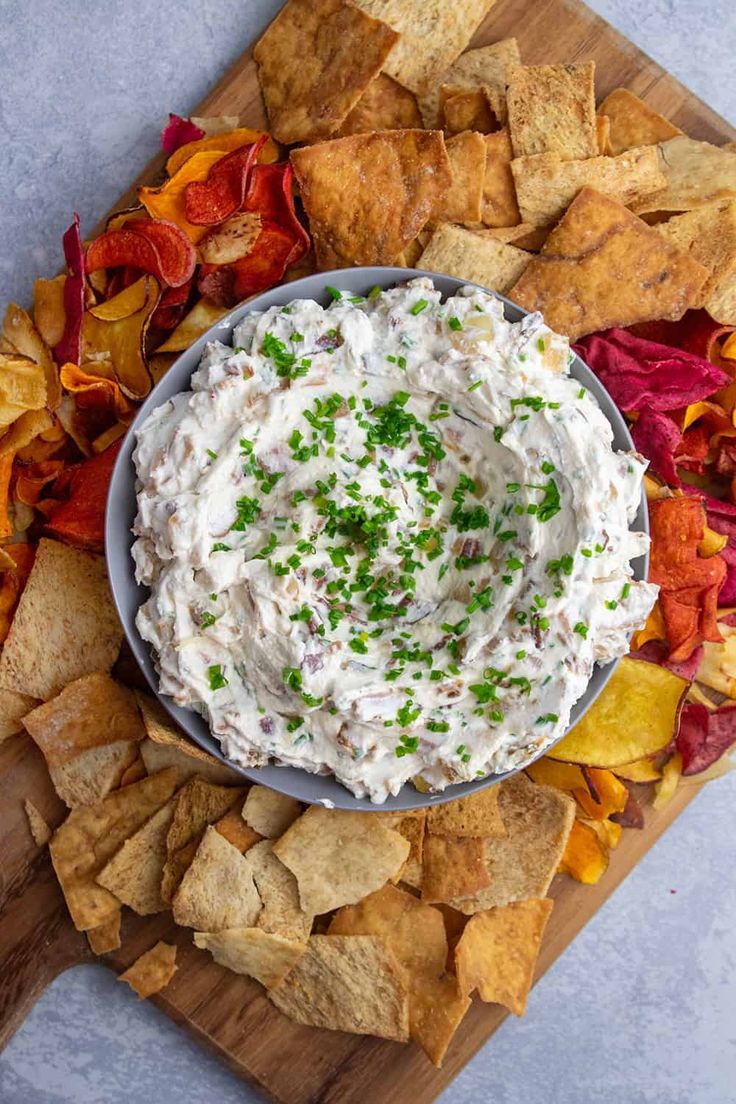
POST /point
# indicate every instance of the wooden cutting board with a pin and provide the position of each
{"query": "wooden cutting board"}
(293, 1064)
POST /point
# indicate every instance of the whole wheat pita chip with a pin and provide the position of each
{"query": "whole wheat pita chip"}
(367, 196)
(453, 868)
(281, 913)
(18, 328)
(90, 836)
(314, 62)
(602, 266)
(269, 813)
(105, 937)
(468, 256)
(538, 820)
(633, 123)
(385, 105)
(466, 109)
(432, 35)
(551, 109)
(484, 67)
(546, 185)
(339, 857)
(499, 207)
(236, 831)
(347, 983)
(93, 774)
(475, 815)
(65, 625)
(262, 955)
(89, 712)
(153, 971)
(159, 756)
(603, 134)
(38, 827)
(415, 933)
(462, 200)
(134, 873)
(13, 707)
(696, 172)
(184, 755)
(198, 804)
(217, 891)
(709, 235)
(497, 952)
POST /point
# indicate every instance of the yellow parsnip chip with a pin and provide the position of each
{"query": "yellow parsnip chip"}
(18, 328)
(201, 317)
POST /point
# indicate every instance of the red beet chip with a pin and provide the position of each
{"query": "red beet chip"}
(178, 132)
(704, 735)
(696, 332)
(270, 193)
(150, 245)
(657, 437)
(172, 306)
(222, 194)
(69, 349)
(81, 519)
(275, 249)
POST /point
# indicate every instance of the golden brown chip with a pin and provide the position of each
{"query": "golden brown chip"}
(217, 891)
(466, 109)
(455, 251)
(475, 815)
(19, 329)
(92, 774)
(538, 820)
(410, 256)
(153, 971)
(199, 803)
(546, 184)
(201, 317)
(90, 711)
(484, 67)
(347, 983)
(232, 239)
(603, 134)
(22, 384)
(190, 758)
(339, 857)
(314, 62)
(412, 828)
(13, 707)
(90, 836)
(415, 933)
(499, 191)
(268, 812)
(453, 868)
(158, 756)
(551, 109)
(105, 937)
(24, 429)
(281, 913)
(602, 266)
(48, 309)
(262, 955)
(236, 831)
(134, 873)
(115, 331)
(697, 173)
(39, 828)
(497, 952)
(524, 235)
(709, 235)
(633, 123)
(134, 772)
(367, 196)
(384, 105)
(65, 625)
(462, 200)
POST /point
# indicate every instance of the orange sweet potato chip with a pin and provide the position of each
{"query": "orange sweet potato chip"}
(585, 858)
(13, 579)
(99, 389)
(168, 201)
(603, 795)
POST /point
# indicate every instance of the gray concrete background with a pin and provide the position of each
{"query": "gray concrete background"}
(642, 1006)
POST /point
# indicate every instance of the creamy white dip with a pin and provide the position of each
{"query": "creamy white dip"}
(386, 539)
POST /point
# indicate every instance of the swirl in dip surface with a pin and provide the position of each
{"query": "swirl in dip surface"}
(386, 539)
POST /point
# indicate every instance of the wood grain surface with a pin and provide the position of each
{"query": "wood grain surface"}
(293, 1064)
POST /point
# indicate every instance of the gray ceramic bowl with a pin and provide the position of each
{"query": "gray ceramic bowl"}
(121, 512)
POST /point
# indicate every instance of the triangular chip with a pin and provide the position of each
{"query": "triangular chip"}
(709, 235)
(201, 318)
(339, 857)
(498, 950)
(269, 812)
(475, 815)
(90, 836)
(538, 820)
(602, 266)
(93, 774)
(159, 756)
(192, 760)
(39, 828)
(499, 191)
(198, 804)
(466, 109)
(484, 67)
(89, 712)
(412, 828)
(153, 971)
(314, 62)
(468, 256)
(603, 133)
(347, 983)
(546, 184)
(218, 890)
(367, 196)
(633, 123)
(697, 173)
(133, 875)
(236, 831)
(261, 955)
(105, 937)
(453, 868)
(281, 913)
(65, 625)
(551, 109)
(462, 200)
(385, 105)
(13, 707)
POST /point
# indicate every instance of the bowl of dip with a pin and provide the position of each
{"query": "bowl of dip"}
(378, 525)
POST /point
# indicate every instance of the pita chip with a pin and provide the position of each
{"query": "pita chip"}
(175, 750)
(269, 813)
(152, 972)
(453, 868)
(315, 60)
(709, 235)
(217, 891)
(499, 206)
(198, 804)
(89, 712)
(13, 707)
(236, 831)
(385, 105)
(105, 937)
(38, 827)
(484, 67)
(94, 773)
(462, 200)
(475, 815)
(696, 173)
(261, 955)
(603, 133)
(466, 109)
(551, 109)
(277, 887)
(134, 873)
(633, 123)
(602, 266)
(470, 256)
